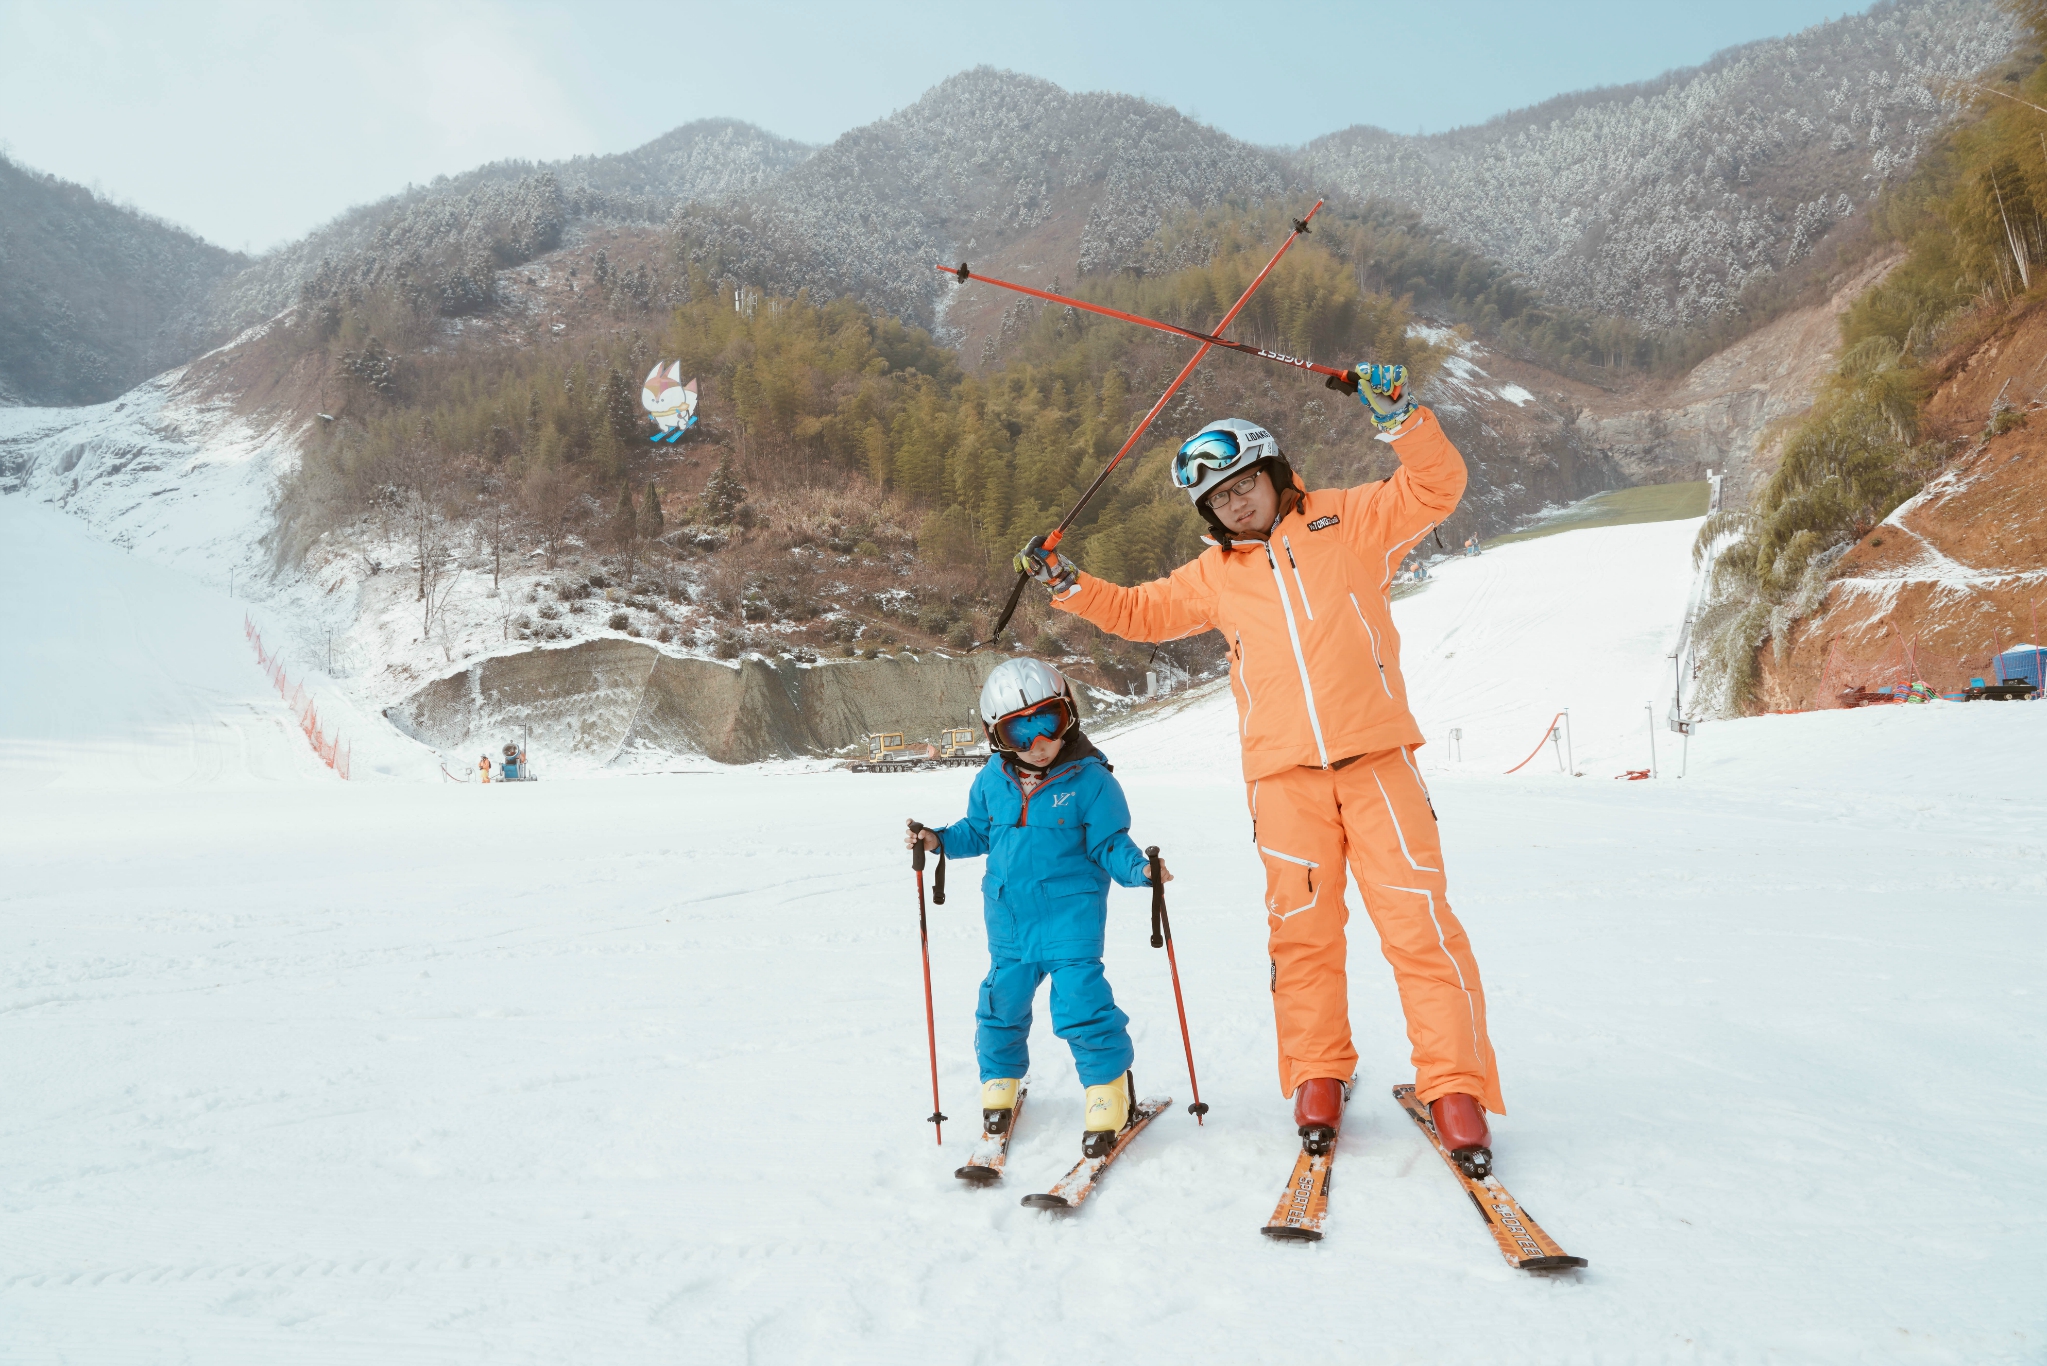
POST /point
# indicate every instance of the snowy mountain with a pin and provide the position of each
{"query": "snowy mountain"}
(451, 233)
(94, 297)
(986, 160)
(1660, 201)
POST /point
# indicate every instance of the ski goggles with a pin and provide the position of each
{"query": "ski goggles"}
(1206, 451)
(1019, 729)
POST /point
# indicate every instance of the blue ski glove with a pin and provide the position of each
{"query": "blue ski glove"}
(1048, 567)
(1383, 391)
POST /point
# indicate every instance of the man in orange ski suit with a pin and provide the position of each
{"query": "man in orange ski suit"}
(1302, 602)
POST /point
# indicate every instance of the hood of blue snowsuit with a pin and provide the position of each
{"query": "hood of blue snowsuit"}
(1050, 858)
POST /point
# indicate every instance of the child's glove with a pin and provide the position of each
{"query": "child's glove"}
(1383, 391)
(1048, 567)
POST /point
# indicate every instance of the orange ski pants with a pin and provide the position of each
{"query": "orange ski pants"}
(1374, 814)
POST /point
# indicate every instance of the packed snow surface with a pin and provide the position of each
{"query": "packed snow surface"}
(632, 1069)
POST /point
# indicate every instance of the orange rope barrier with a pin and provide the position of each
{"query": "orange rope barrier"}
(1539, 743)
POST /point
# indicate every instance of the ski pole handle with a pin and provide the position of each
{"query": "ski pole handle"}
(917, 862)
(1158, 896)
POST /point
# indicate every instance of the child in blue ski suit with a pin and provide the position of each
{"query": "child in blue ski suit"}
(1053, 821)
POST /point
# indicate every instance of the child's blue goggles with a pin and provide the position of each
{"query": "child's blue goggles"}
(1019, 730)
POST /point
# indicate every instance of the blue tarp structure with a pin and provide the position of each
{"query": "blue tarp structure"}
(2022, 662)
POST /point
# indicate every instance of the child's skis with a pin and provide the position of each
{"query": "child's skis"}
(1522, 1241)
(1304, 1207)
(984, 1167)
(1078, 1184)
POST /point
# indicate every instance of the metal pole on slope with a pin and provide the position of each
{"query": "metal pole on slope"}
(1058, 533)
(1567, 743)
(1162, 934)
(1649, 709)
(924, 942)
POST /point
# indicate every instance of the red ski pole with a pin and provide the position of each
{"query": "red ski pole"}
(1058, 533)
(924, 939)
(1162, 934)
(1344, 378)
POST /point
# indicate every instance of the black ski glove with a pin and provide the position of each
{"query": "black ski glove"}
(1048, 567)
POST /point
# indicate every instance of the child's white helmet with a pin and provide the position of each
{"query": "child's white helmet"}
(1020, 687)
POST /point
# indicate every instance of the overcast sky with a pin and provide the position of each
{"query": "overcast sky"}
(254, 122)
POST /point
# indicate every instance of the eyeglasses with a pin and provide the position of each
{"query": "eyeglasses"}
(1239, 489)
(1217, 450)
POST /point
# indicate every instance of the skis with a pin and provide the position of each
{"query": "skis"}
(1522, 1241)
(984, 1166)
(1078, 1184)
(1304, 1208)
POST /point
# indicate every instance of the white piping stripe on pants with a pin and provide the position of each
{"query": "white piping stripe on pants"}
(1477, 1051)
(1400, 834)
(1313, 901)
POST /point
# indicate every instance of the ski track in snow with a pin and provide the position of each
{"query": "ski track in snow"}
(311, 1071)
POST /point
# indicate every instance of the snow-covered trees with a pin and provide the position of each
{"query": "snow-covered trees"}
(94, 297)
(1660, 202)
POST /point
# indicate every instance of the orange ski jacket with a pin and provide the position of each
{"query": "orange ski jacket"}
(1314, 658)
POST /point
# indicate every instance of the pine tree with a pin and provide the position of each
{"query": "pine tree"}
(625, 525)
(621, 408)
(651, 520)
(724, 493)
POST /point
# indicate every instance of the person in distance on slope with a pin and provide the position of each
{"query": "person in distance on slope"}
(1298, 584)
(1051, 817)
(483, 767)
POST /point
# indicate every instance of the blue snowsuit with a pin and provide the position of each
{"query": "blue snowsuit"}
(1045, 896)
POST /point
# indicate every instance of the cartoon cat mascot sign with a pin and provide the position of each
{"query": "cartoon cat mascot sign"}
(671, 403)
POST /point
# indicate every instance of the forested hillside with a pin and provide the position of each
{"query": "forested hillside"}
(1641, 223)
(447, 236)
(94, 297)
(1663, 202)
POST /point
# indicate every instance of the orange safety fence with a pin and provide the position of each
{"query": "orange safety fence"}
(331, 751)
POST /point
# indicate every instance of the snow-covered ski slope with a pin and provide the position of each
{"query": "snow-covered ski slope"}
(1495, 646)
(632, 1070)
(123, 672)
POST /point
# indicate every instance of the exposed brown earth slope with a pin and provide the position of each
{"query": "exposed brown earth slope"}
(1960, 570)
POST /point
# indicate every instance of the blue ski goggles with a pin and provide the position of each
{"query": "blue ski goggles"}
(1207, 451)
(1019, 730)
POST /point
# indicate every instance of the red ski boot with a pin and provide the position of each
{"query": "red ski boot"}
(1318, 1111)
(1460, 1124)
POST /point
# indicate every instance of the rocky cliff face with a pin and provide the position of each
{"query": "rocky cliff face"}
(1537, 439)
(608, 701)
(1957, 573)
(1729, 413)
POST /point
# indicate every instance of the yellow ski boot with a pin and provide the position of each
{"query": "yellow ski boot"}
(1108, 1110)
(998, 1104)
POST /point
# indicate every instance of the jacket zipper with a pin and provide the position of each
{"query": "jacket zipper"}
(1024, 815)
(1306, 606)
(1372, 636)
(1293, 631)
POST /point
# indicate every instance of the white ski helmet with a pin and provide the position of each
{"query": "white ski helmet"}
(1024, 686)
(1220, 452)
